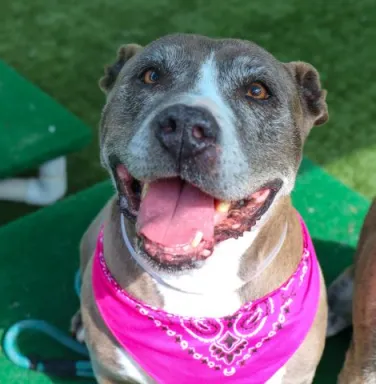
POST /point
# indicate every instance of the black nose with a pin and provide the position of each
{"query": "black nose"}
(186, 131)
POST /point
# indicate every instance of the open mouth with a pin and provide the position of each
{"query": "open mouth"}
(178, 224)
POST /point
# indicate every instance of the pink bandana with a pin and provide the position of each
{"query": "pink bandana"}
(249, 346)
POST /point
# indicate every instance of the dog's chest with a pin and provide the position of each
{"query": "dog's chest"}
(199, 306)
(212, 290)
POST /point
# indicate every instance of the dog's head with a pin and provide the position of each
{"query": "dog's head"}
(201, 136)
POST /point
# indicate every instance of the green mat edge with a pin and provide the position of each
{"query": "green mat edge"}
(82, 139)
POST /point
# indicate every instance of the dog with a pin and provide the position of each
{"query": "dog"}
(199, 268)
(351, 302)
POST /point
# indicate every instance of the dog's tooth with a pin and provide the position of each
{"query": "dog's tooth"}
(261, 196)
(223, 206)
(205, 253)
(144, 190)
(196, 241)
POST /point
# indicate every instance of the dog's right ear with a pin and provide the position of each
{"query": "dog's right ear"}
(111, 72)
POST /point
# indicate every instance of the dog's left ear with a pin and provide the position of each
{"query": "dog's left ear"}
(111, 72)
(311, 94)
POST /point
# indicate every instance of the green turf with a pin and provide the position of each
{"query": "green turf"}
(37, 267)
(40, 255)
(63, 46)
(34, 128)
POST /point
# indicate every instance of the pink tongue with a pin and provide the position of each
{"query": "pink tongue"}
(172, 212)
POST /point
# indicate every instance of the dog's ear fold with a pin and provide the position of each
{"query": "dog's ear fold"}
(313, 97)
(111, 72)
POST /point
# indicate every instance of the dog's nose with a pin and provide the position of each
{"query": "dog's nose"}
(186, 131)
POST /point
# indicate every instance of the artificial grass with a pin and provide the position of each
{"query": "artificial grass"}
(35, 128)
(62, 47)
(40, 256)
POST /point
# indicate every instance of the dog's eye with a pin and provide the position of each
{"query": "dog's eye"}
(151, 76)
(258, 91)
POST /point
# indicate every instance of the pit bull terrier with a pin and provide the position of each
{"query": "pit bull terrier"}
(351, 302)
(200, 270)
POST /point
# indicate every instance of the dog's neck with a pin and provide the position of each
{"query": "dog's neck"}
(224, 262)
(238, 271)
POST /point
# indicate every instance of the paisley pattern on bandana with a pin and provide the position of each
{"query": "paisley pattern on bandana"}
(256, 340)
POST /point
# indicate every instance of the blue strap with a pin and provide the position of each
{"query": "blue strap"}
(56, 367)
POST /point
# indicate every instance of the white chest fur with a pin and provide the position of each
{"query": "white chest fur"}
(209, 291)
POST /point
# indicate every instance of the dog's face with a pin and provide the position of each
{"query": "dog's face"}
(201, 136)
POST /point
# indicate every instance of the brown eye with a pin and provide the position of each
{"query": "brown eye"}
(150, 77)
(257, 91)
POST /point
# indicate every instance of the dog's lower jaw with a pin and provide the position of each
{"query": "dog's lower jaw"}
(179, 223)
(213, 289)
(196, 298)
(194, 282)
(219, 273)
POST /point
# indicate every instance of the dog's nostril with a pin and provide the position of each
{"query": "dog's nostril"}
(186, 131)
(198, 132)
(169, 126)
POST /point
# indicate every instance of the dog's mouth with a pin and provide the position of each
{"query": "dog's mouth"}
(178, 224)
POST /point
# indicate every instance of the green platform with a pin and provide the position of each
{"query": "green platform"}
(39, 255)
(34, 128)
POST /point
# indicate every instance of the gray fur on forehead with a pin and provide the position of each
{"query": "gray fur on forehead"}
(201, 46)
(257, 141)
